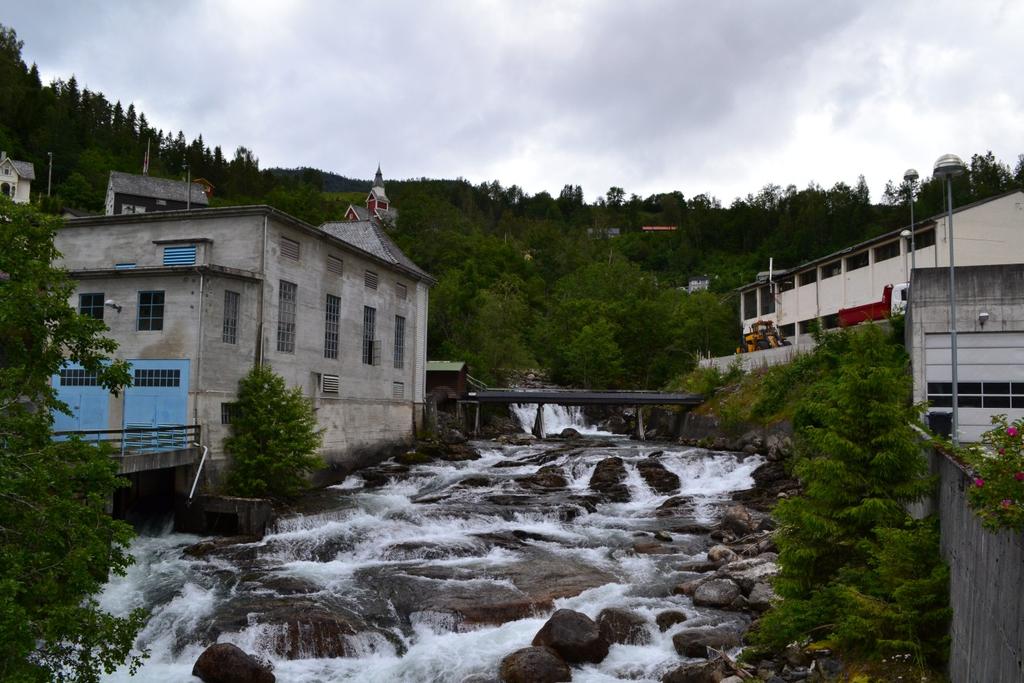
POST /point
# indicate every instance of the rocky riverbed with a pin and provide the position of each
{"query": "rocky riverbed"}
(439, 570)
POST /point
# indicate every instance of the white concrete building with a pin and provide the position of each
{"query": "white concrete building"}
(990, 342)
(988, 232)
(196, 298)
(16, 178)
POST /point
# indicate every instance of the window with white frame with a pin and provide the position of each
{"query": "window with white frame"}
(332, 316)
(287, 296)
(399, 355)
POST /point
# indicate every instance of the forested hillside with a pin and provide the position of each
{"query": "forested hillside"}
(524, 280)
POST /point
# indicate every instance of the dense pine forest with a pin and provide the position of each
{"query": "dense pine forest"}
(524, 281)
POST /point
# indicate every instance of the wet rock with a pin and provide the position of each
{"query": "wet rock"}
(534, 665)
(413, 458)
(669, 618)
(453, 436)
(227, 663)
(688, 587)
(574, 636)
(695, 642)
(721, 554)
(657, 477)
(459, 453)
(608, 479)
(693, 528)
(521, 439)
(716, 593)
(478, 481)
(795, 656)
(547, 477)
(738, 520)
(671, 506)
(663, 536)
(708, 672)
(569, 433)
(648, 548)
(615, 424)
(218, 546)
(699, 567)
(623, 626)
(761, 596)
(748, 572)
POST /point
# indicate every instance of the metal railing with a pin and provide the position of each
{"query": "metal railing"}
(138, 438)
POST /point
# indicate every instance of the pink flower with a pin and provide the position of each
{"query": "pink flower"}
(1019, 476)
(1002, 451)
(1006, 502)
(1012, 431)
(979, 482)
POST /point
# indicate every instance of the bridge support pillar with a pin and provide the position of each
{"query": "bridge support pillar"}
(476, 421)
(640, 424)
(538, 423)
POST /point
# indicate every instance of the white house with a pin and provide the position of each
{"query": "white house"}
(988, 232)
(16, 178)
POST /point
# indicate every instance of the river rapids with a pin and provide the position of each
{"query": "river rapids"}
(437, 571)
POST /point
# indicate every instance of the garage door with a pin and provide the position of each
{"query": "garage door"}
(88, 401)
(990, 377)
(158, 397)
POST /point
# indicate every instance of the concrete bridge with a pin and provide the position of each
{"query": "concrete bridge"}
(573, 397)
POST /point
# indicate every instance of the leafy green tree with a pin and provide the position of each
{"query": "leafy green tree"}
(57, 542)
(274, 438)
(593, 359)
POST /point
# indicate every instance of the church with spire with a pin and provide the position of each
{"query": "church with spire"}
(378, 206)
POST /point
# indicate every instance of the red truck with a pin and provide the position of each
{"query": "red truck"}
(894, 300)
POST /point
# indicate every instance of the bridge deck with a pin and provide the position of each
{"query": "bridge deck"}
(583, 398)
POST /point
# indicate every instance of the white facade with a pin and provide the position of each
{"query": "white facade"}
(223, 312)
(989, 232)
(16, 178)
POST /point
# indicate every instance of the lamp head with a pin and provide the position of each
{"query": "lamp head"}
(905, 234)
(949, 165)
(911, 175)
(983, 318)
(110, 303)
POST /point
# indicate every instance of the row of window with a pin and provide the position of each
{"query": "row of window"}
(78, 377)
(291, 251)
(371, 349)
(977, 394)
(149, 315)
(856, 261)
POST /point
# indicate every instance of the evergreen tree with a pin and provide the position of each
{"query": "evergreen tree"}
(274, 438)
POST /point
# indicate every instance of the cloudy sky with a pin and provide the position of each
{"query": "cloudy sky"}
(718, 97)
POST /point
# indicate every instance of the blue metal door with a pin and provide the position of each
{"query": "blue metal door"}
(158, 397)
(88, 401)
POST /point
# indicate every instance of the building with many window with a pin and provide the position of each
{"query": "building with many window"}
(197, 298)
(988, 232)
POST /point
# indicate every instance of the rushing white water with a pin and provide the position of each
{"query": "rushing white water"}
(556, 418)
(402, 558)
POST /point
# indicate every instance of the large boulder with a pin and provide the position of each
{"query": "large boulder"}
(616, 424)
(749, 572)
(609, 479)
(696, 641)
(569, 433)
(706, 672)
(227, 663)
(761, 597)
(547, 477)
(722, 554)
(657, 477)
(574, 636)
(623, 626)
(716, 593)
(534, 665)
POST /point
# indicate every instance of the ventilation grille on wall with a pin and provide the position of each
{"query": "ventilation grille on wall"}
(289, 249)
(401, 291)
(329, 384)
(180, 256)
(371, 279)
(334, 265)
(398, 390)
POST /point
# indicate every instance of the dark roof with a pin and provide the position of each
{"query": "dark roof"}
(157, 188)
(780, 272)
(25, 169)
(362, 213)
(370, 237)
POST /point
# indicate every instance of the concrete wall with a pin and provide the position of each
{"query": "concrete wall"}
(757, 359)
(986, 572)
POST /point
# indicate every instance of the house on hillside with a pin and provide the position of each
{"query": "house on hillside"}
(988, 232)
(196, 298)
(128, 193)
(378, 206)
(16, 178)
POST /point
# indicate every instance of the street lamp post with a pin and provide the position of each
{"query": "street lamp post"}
(49, 174)
(910, 177)
(908, 239)
(947, 166)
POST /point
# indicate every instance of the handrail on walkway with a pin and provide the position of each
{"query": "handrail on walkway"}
(140, 438)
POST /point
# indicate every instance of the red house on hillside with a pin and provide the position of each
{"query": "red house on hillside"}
(378, 205)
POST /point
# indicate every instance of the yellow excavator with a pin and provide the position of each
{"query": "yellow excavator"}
(763, 335)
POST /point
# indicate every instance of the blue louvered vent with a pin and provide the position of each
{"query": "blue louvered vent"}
(180, 256)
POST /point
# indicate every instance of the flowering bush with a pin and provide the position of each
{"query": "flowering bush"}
(997, 484)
